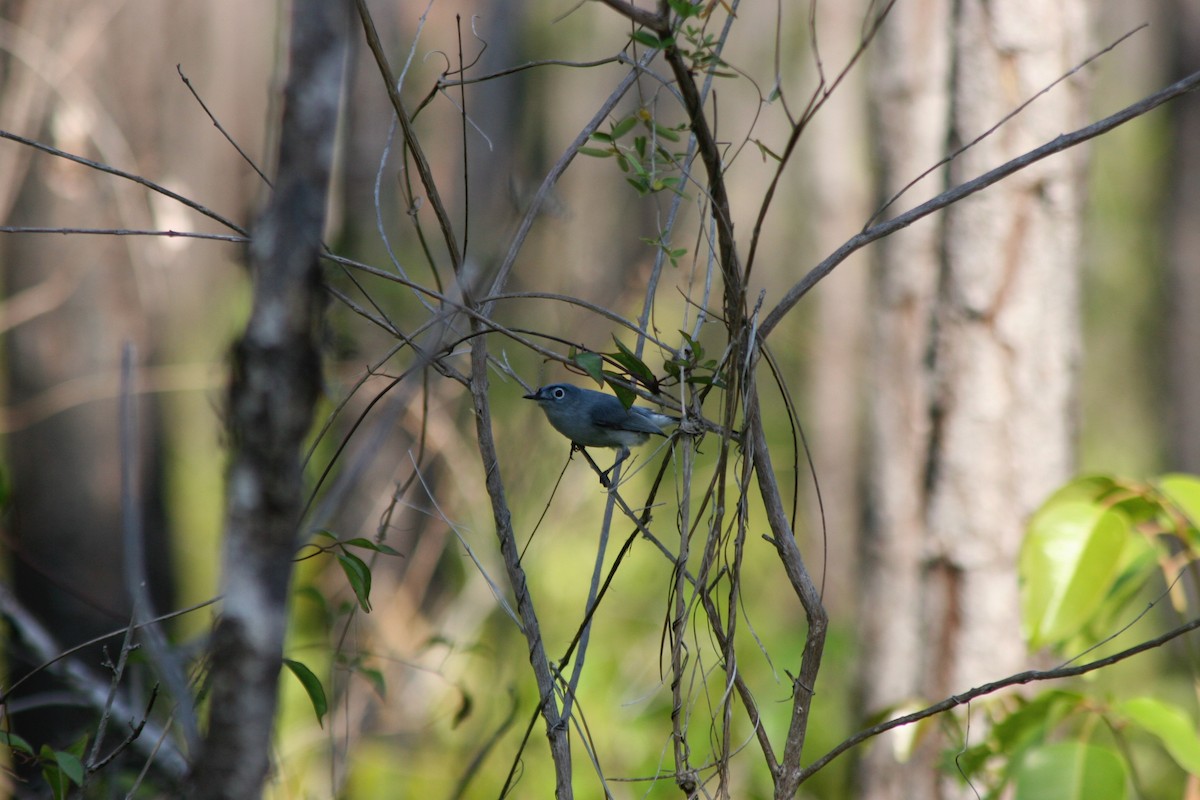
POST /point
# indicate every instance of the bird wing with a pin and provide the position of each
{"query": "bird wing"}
(634, 419)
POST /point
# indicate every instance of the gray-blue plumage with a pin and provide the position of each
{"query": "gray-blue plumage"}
(595, 419)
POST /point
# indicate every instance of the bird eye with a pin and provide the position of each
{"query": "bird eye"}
(559, 394)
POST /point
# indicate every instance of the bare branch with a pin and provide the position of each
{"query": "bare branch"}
(556, 730)
(91, 687)
(410, 136)
(129, 176)
(1057, 145)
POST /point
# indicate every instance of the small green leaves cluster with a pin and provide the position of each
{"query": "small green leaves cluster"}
(356, 570)
(1093, 545)
(61, 769)
(1088, 552)
(673, 254)
(358, 574)
(692, 40)
(644, 159)
(1064, 744)
(688, 366)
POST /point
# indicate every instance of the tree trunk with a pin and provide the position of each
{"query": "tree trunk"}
(275, 385)
(1183, 261)
(975, 350)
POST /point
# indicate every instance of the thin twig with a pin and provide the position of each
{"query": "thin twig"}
(216, 123)
(891, 200)
(1019, 679)
(129, 176)
(92, 688)
(219, 237)
(410, 136)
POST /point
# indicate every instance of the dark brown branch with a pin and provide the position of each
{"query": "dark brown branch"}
(219, 237)
(129, 176)
(1021, 678)
(217, 124)
(556, 730)
(789, 776)
(639, 16)
(410, 136)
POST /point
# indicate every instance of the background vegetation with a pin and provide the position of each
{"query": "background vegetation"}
(407, 636)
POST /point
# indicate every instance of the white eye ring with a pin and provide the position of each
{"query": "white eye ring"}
(559, 394)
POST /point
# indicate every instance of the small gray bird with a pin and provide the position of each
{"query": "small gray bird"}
(595, 419)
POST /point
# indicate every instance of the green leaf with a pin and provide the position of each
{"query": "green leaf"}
(601, 136)
(650, 40)
(1139, 562)
(1034, 718)
(1184, 493)
(70, 765)
(684, 8)
(367, 544)
(1088, 488)
(375, 677)
(640, 185)
(359, 575)
(592, 364)
(624, 126)
(57, 767)
(696, 348)
(1071, 771)
(1170, 725)
(628, 359)
(312, 685)
(595, 152)
(766, 152)
(624, 395)
(666, 133)
(1069, 561)
(15, 742)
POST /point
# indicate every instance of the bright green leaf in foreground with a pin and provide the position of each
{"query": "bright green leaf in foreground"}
(1069, 561)
(359, 575)
(1184, 492)
(1071, 771)
(312, 685)
(1170, 725)
(591, 363)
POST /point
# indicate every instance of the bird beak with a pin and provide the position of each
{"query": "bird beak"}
(531, 396)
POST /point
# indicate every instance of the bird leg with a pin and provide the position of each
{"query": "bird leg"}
(604, 480)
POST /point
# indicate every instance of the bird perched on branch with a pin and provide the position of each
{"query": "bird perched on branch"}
(595, 419)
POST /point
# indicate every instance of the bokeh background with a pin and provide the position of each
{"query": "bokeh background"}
(422, 684)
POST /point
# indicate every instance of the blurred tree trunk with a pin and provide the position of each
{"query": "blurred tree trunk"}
(273, 392)
(841, 202)
(974, 347)
(70, 305)
(1183, 248)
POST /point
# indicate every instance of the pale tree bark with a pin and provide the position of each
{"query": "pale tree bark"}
(976, 344)
(275, 385)
(840, 202)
